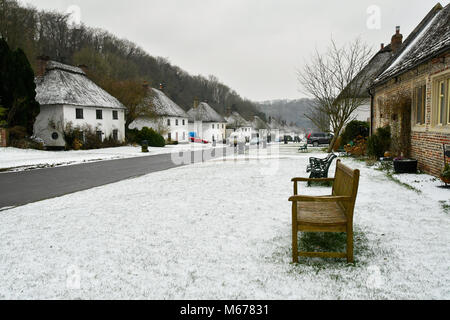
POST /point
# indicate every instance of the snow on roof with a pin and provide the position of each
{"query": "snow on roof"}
(430, 37)
(164, 106)
(274, 124)
(235, 120)
(67, 85)
(259, 124)
(373, 68)
(204, 112)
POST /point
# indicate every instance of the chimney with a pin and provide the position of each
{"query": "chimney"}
(382, 46)
(397, 40)
(145, 85)
(196, 103)
(83, 67)
(161, 86)
(42, 62)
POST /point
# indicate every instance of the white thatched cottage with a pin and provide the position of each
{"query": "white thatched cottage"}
(205, 123)
(237, 124)
(171, 120)
(260, 128)
(67, 95)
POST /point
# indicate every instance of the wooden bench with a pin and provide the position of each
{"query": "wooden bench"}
(326, 213)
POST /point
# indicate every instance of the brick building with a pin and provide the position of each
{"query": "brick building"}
(412, 93)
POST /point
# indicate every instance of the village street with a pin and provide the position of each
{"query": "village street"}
(19, 188)
(220, 229)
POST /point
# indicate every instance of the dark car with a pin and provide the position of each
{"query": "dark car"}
(317, 139)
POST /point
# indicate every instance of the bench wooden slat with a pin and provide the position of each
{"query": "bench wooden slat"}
(322, 254)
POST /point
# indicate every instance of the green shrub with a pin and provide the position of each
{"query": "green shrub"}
(354, 129)
(446, 172)
(18, 138)
(86, 138)
(154, 139)
(379, 143)
(17, 133)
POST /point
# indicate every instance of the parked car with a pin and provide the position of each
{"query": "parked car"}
(197, 140)
(317, 139)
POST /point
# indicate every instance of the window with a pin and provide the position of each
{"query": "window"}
(184, 122)
(441, 102)
(169, 136)
(223, 126)
(115, 115)
(116, 135)
(176, 122)
(99, 114)
(213, 126)
(99, 135)
(419, 102)
(184, 134)
(79, 113)
(448, 100)
(168, 122)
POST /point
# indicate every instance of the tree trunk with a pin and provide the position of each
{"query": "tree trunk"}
(335, 138)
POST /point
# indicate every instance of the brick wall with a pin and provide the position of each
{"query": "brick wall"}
(3, 137)
(427, 148)
(426, 141)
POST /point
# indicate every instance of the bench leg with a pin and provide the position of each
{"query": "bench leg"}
(294, 245)
(350, 246)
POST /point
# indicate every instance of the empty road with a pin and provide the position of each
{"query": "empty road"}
(20, 188)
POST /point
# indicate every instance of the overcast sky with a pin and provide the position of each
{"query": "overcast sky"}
(253, 46)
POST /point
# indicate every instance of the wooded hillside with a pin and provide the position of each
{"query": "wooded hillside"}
(110, 60)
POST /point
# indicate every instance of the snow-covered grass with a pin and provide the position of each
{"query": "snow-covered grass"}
(222, 230)
(13, 159)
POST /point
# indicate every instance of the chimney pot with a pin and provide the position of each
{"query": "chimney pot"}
(42, 62)
(397, 40)
(161, 86)
(83, 67)
(382, 46)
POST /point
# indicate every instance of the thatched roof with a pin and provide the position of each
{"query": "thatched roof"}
(259, 124)
(67, 85)
(163, 105)
(235, 121)
(204, 112)
(428, 40)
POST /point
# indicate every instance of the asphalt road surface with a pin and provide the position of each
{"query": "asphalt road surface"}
(20, 188)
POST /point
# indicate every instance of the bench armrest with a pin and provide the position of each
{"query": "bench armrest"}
(312, 179)
(319, 199)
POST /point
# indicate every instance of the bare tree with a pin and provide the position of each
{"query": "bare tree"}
(336, 83)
